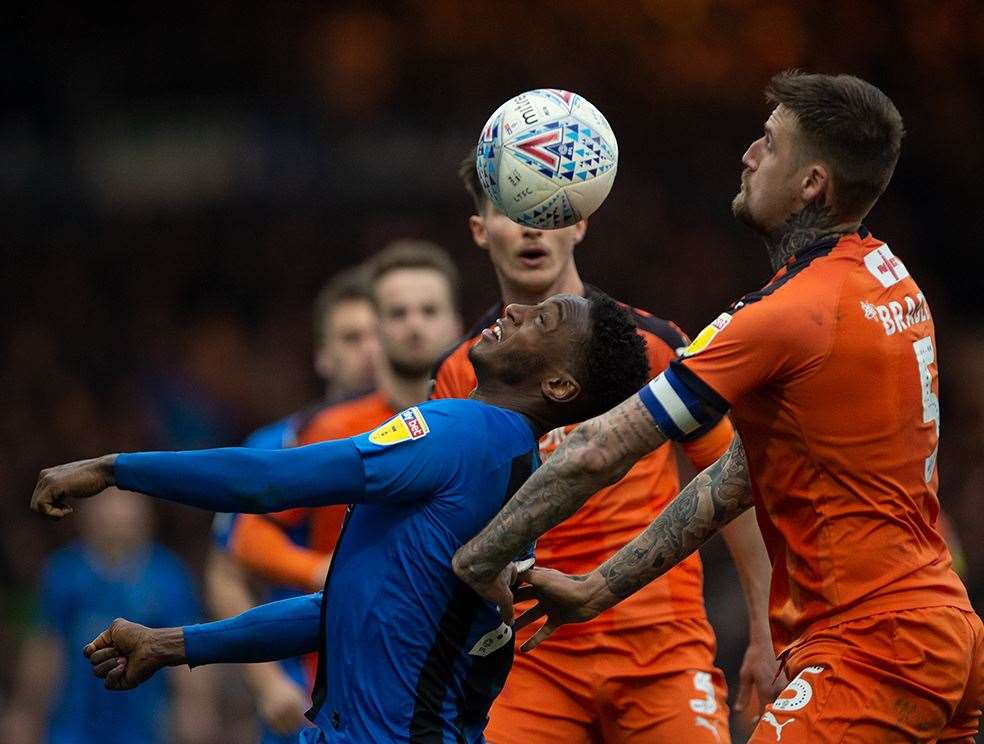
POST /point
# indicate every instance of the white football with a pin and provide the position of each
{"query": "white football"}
(547, 158)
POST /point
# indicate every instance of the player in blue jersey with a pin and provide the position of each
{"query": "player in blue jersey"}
(115, 566)
(407, 652)
(345, 351)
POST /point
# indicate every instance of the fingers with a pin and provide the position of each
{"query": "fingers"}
(531, 615)
(744, 693)
(505, 603)
(104, 667)
(539, 637)
(103, 640)
(116, 677)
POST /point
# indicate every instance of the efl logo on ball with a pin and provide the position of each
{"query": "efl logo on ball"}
(547, 158)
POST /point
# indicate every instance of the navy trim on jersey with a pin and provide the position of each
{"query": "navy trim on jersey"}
(800, 261)
(708, 395)
(427, 723)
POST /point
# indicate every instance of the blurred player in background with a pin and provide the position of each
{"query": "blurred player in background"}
(345, 357)
(615, 681)
(114, 567)
(830, 374)
(408, 654)
(413, 293)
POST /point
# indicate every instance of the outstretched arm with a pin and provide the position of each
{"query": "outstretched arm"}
(126, 653)
(234, 479)
(596, 454)
(711, 500)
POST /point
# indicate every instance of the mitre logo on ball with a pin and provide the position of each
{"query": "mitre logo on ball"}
(547, 158)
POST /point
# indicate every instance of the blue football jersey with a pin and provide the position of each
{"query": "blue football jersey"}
(409, 653)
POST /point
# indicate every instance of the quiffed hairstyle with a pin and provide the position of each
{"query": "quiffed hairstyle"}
(348, 284)
(850, 124)
(469, 177)
(416, 254)
(615, 361)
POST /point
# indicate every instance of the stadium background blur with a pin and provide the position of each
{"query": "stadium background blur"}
(176, 184)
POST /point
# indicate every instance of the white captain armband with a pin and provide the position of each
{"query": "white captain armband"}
(682, 411)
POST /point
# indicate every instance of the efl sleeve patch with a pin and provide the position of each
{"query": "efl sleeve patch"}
(705, 337)
(405, 427)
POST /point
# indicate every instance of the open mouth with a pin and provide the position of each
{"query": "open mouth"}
(533, 256)
(494, 333)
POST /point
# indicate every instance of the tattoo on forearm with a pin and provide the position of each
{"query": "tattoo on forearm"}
(712, 499)
(613, 442)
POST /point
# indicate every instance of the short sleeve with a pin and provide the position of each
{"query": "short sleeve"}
(418, 452)
(741, 351)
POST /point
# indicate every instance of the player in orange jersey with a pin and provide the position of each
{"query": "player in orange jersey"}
(615, 682)
(345, 353)
(830, 374)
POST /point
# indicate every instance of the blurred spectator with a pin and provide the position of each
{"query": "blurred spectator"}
(114, 569)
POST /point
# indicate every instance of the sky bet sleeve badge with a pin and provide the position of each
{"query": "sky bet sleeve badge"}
(407, 426)
(707, 335)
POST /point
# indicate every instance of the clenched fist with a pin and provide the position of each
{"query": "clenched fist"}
(126, 654)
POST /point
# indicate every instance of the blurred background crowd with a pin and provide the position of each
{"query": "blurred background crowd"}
(177, 184)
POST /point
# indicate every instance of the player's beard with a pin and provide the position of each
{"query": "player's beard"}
(739, 208)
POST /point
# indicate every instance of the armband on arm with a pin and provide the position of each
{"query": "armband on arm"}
(681, 404)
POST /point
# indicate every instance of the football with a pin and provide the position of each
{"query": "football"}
(547, 158)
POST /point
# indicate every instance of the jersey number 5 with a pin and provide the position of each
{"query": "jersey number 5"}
(925, 356)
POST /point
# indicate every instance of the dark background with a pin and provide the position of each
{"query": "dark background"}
(176, 184)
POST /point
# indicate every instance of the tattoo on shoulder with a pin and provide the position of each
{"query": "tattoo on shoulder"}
(711, 500)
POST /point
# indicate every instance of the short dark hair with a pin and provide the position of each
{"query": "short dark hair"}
(469, 177)
(851, 124)
(347, 285)
(615, 364)
(416, 254)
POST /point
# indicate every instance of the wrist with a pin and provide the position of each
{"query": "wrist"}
(168, 646)
(106, 467)
(597, 595)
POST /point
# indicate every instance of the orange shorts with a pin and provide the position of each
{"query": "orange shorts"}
(909, 676)
(652, 684)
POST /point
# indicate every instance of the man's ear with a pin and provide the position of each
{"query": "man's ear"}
(560, 388)
(816, 184)
(476, 224)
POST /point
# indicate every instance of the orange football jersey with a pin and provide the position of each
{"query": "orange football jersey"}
(615, 515)
(831, 375)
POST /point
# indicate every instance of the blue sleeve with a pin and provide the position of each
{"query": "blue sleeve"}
(278, 630)
(420, 451)
(237, 479)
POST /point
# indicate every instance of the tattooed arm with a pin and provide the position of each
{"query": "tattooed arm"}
(596, 454)
(711, 500)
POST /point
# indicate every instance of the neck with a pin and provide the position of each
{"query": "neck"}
(811, 223)
(402, 392)
(525, 405)
(568, 282)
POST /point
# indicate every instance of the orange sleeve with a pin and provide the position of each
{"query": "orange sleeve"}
(764, 341)
(708, 448)
(455, 378)
(266, 550)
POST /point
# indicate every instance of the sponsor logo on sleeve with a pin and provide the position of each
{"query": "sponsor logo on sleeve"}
(408, 426)
(884, 266)
(705, 337)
